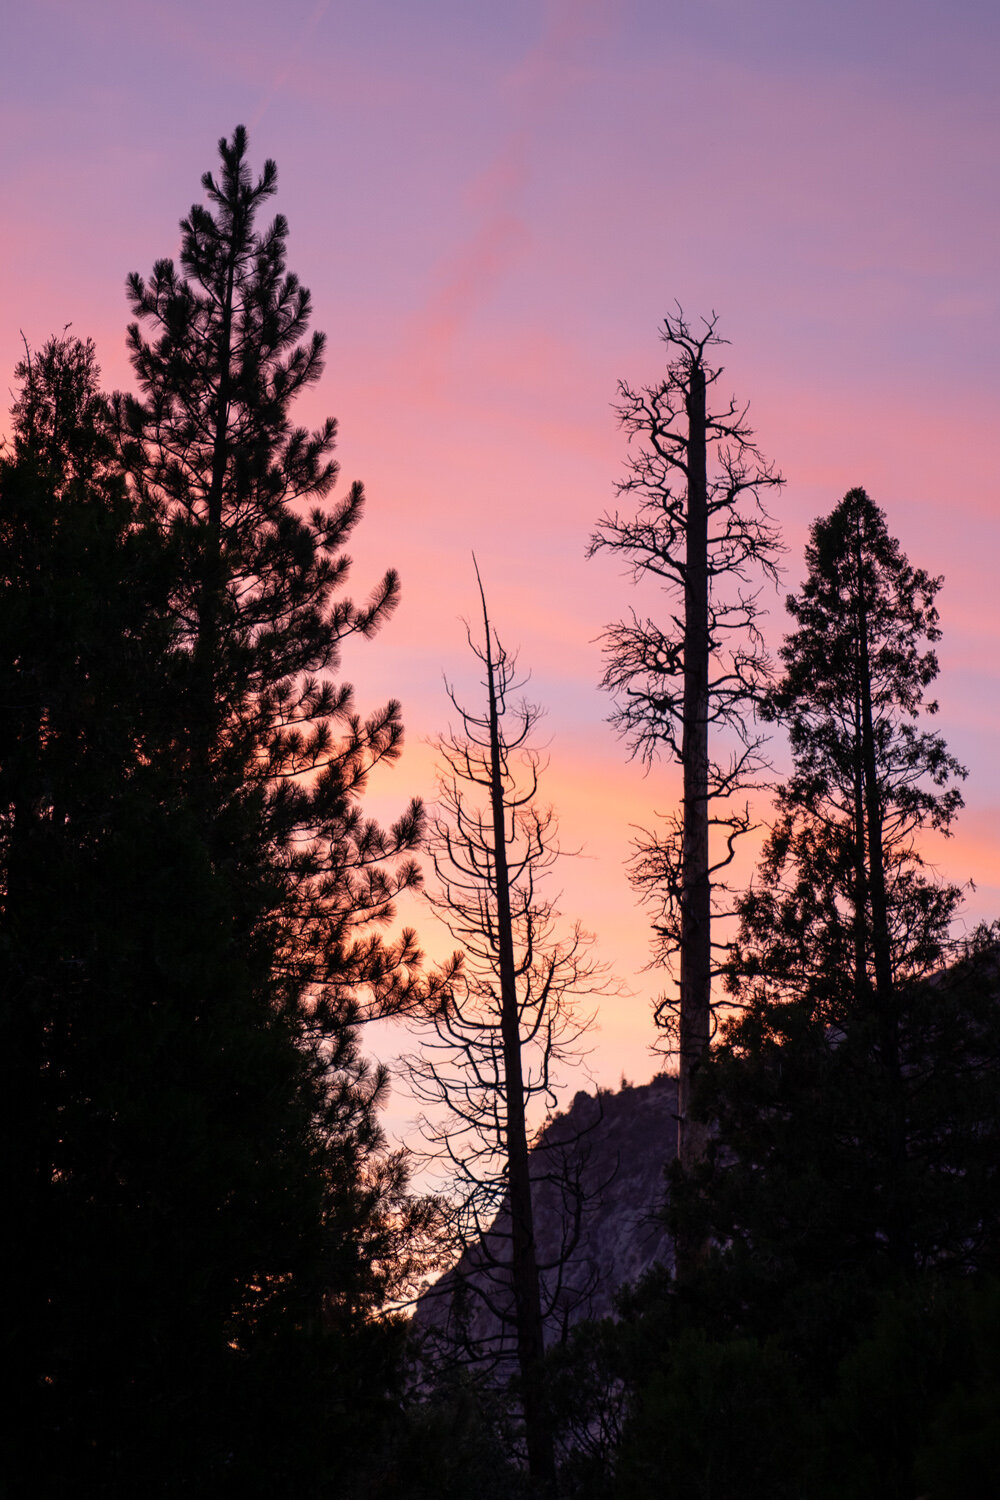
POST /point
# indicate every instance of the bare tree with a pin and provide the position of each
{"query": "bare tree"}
(510, 1017)
(700, 528)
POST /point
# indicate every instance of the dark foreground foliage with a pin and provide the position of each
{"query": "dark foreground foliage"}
(203, 1219)
(907, 1406)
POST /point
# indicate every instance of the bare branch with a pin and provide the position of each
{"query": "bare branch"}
(494, 1044)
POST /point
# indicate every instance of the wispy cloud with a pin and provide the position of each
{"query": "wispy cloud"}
(498, 236)
(466, 278)
(293, 62)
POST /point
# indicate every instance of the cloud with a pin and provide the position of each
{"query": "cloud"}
(293, 64)
(467, 278)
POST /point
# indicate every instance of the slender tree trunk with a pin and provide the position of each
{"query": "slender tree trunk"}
(897, 1225)
(203, 730)
(881, 952)
(696, 952)
(860, 868)
(524, 1268)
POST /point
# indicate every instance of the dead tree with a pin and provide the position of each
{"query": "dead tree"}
(510, 1017)
(688, 688)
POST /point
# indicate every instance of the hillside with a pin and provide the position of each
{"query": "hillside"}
(598, 1172)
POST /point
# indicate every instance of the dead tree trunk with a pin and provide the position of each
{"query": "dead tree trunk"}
(702, 533)
(500, 1036)
(524, 1264)
(696, 891)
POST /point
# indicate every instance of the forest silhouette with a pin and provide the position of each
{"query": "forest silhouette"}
(212, 1250)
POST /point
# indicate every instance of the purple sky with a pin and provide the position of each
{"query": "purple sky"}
(494, 206)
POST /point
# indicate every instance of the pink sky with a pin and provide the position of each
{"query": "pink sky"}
(494, 206)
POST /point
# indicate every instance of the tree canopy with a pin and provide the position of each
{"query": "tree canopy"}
(193, 903)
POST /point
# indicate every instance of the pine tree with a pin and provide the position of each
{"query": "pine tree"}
(274, 756)
(211, 446)
(272, 760)
(86, 686)
(192, 904)
(852, 1098)
(866, 777)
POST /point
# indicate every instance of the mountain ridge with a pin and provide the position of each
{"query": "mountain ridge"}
(598, 1180)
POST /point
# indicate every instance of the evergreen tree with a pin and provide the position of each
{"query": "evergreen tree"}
(272, 760)
(274, 749)
(866, 777)
(852, 1095)
(86, 685)
(191, 909)
(850, 1193)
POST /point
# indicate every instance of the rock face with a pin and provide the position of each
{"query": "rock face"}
(598, 1171)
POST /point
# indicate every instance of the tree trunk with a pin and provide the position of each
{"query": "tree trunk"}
(860, 867)
(897, 1223)
(696, 951)
(881, 952)
(204, 729)
(524, 1266)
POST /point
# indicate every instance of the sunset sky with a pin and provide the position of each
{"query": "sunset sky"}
(494, 206)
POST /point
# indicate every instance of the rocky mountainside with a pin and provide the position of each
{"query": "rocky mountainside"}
(598, 1171)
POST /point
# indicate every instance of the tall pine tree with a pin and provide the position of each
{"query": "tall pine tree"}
(192, 905)
(850, 1185)
(273, 758)
(220, 351)
(852, 1095)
